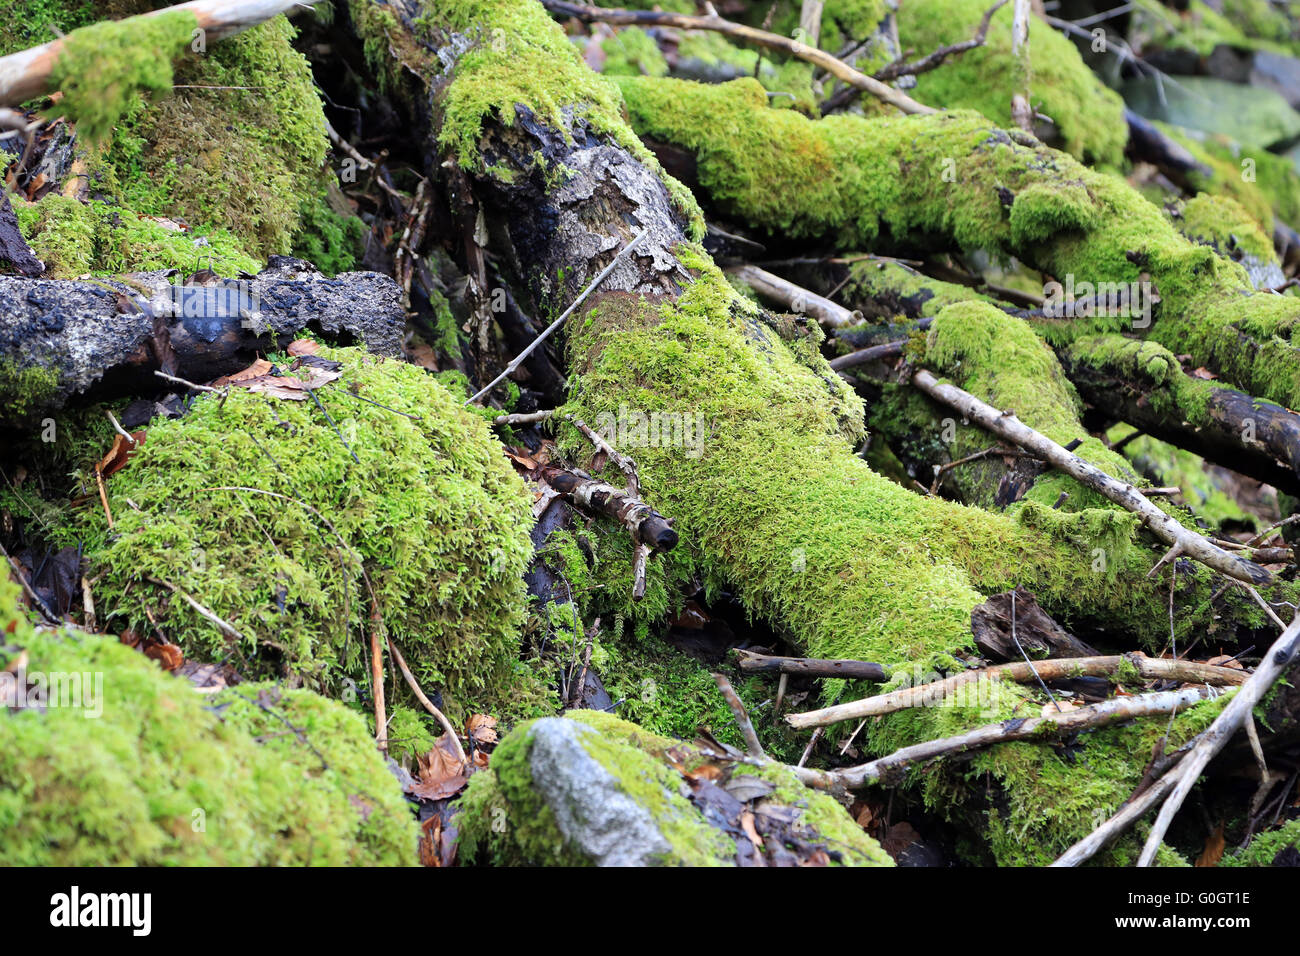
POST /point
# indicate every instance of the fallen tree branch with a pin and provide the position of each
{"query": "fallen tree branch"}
(746, 725)
(1233, 716)
(1151, 668)
(85, 332)
(889, 769)
(795, 298)
(737, 31)
(1167, 529)
(27, 74)
(755, 663)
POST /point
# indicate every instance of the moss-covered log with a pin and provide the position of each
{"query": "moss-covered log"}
(60, 339)
(774, 505)
(926, 182)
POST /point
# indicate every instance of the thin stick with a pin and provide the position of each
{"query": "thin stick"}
(1167, 529)
(785, 293)
(117, 427)
(810, 54)
(1060, 668)
(742, 718)
(377, 677)
(428, 704)
(753, 662)
(525, 418)
(1115, 710)
(519, 359)
(29, 73)
(1229, 721)
(225, 627)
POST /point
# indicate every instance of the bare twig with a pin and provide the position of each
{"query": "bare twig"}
(428, 705)
(1233, 716)
(752, 662)
(742, 718)
(795, 298)
(527, 418)
(1163, 526)
(934, 60)
(1051, 669)
(582, 297)
(377, 676)
(810, 54)
(1115, 710)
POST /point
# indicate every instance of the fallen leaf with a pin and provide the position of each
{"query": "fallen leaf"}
(747, 824)
(481, 729)
(303, 347)
(257, 370)
(441, 774)
(1060, 707)
(1213, 851)
(120, 453)
(168, 656)
(1223, 660)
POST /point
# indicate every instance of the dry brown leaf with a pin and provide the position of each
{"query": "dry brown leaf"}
(747, 824)
(481, 729)
(257, 370)
(303, 347)
(168, 656)
(1223, 660)
(1214, 846)
(120, 453)
(1060, 707)
(440, 772)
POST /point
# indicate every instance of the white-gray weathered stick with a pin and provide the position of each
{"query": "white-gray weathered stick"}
(1167, 529)
(518, 359)
(26, 74)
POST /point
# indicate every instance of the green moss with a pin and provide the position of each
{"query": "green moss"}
(633, 52)
(159, 777)
(240, 147)
(855, 181)
(1000, 360)
(75, 239)
(102, 67)
(24, 389)
(1200, 28)
(1267, 847)
(326, 239)
(410, 734)
(1172, 466)
(1090, 117)
(1266, 185)
(505, 820)
(1223, 224)
(29, 23)
(520, 57)
(430, 509)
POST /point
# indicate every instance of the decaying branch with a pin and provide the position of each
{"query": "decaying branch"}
(1021, 672)
(889, 769)
(1167, 529)
(109, 336)
(778, 291)
(738, 31)
(755, 663)
(26, 75)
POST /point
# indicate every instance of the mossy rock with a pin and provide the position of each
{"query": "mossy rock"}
(136, 768)
(591, 789)
(257, 509)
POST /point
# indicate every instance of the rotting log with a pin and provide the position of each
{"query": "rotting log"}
(774, 504)
(63, 339)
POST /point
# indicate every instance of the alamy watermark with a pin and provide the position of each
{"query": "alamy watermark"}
(79, 690)
(1132, 300)
(633, 428)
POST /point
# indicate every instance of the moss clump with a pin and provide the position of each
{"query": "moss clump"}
(520, 57)
(999, 359)
(1223, 224)
(240, 148)
(1264, 184)
(633, 52)
(134, 769)
(507, 821)
(429, 508)
(24, 389)
(101, 68)
(907, 180)
(1089, 116)
(1269, 849)
(75, 239)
